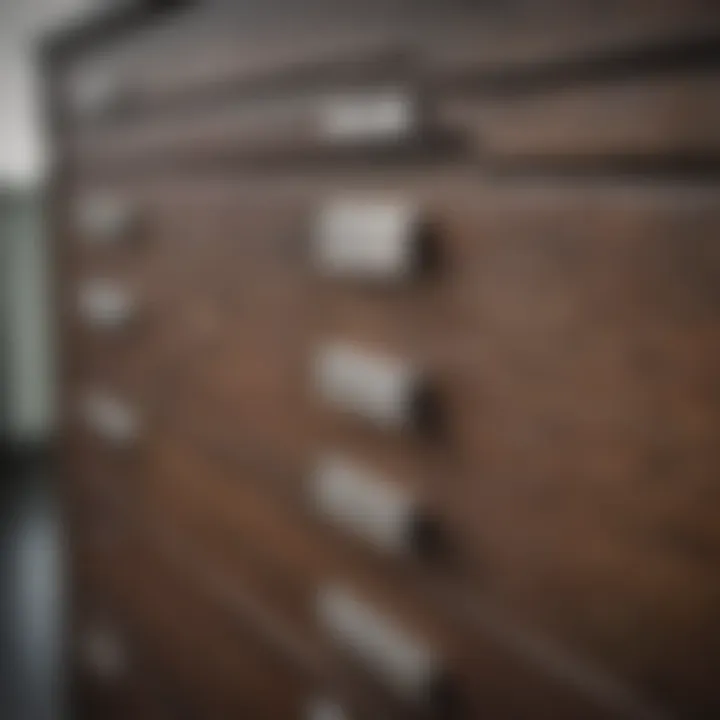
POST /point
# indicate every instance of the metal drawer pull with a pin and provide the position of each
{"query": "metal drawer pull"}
(105, 218)
(105, 304)
(406, 664)
(364, 240)
(103, 654)
(364, 503)
(386, 391)
(324, 709)
(110, 418)
(387, 114)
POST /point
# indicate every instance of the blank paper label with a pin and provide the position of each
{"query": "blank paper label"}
(366, 240)
(110, 418)
(379, 388)
(324, 709)
(406, 664)
(378, 115)
(105, 303)
(364, 503)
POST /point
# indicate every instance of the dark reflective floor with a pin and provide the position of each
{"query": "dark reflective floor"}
(31, 594)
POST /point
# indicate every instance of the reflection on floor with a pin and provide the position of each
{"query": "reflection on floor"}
(31, 595)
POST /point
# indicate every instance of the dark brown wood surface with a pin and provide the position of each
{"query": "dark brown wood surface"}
(566, 172)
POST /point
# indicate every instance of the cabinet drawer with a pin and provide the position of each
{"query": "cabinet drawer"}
(227, 307)
(221, 666)
(519, 42)
(379, 116)
(114, 677)
(575, 85)
(613, 124)
(217, 264)
(352, 91)
(217, 84)
(209, 48)
(103, 497)
(159, 591)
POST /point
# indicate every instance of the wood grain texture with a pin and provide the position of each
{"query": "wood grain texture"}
(568, 328)
(282, 561)
(481, 39)
(542, 309)
(595, 282)
(669, 117)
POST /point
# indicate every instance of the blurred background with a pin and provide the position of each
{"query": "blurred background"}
(30, 539)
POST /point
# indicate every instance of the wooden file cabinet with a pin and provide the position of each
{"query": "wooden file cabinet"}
(389, 346)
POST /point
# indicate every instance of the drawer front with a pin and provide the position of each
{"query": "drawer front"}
(555, 84)
(114, 677)
(556, 38)
(622, 124)
(310, 84)
(197, 52)
(221, 306)
(217, 650)
(342, 120)
(221, 666)
(576, 87)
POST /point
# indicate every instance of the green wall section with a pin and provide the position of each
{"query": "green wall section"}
(26, 393)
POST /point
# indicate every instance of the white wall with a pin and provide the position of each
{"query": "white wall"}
(21, 23)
